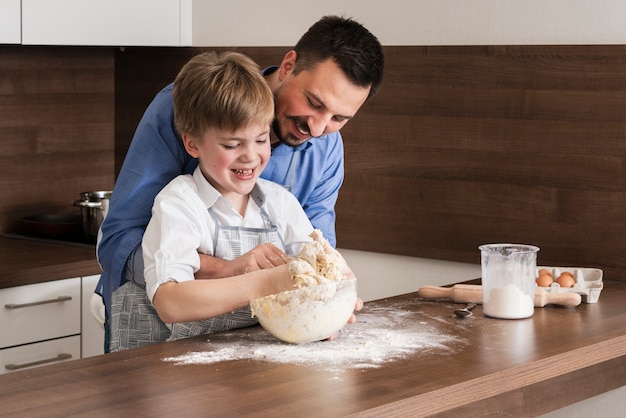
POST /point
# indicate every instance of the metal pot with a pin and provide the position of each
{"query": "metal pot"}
(94, 208)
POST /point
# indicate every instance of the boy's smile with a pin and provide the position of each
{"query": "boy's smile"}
(231, 161)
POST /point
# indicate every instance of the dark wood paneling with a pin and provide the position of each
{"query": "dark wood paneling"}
(464, 146)
(470, 145)
(56, 128)
(141, 72)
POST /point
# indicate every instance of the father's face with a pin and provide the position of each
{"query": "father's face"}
(314, 102)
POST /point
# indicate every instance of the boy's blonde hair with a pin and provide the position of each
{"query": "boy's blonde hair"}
(224, 91)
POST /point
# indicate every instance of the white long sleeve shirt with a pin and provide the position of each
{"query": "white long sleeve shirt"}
(181, 225)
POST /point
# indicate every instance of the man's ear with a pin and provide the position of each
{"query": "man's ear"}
(190, 145)
(287, 65)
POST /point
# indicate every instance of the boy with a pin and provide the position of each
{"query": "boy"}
(223, 109)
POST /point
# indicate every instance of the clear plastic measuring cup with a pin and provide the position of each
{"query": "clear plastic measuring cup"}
(508, 280)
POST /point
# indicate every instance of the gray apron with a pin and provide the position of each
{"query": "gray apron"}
(135, 322)
(230, 243)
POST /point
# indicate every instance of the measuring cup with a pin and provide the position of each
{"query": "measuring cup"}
(508, 279)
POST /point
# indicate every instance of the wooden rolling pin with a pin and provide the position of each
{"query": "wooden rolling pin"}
(473, 293)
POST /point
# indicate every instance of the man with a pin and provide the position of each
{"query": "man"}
(319, 86)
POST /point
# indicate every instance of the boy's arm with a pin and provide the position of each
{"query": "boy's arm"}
(200, 299)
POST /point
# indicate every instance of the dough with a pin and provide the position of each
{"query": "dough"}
(317, 263)
(323, 301)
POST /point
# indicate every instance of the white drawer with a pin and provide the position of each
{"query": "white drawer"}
(39, 312)
(39, 354)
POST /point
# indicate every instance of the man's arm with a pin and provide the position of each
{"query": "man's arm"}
(156, 155)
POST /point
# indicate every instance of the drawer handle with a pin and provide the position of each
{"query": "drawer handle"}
(42, 302)
(62, 356)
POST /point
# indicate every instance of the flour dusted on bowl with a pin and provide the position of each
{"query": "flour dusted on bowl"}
(322, 303)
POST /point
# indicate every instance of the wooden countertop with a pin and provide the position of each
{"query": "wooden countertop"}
(405, 356)
(25, 261)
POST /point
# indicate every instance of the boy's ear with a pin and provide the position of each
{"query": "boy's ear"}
(190, 145)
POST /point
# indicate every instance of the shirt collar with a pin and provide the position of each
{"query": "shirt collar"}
(269, 70)
(208, 194)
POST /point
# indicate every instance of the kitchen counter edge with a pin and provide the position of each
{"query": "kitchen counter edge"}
(24, 262)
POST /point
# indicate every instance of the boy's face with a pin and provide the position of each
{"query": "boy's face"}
(231, 161)
(314, 102)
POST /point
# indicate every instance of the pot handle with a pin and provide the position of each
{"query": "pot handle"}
(87, 204)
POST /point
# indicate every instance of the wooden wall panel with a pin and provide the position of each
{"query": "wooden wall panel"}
(56, 128)
(142, 72)
(470, 145)
(462, 146)
(465, 146)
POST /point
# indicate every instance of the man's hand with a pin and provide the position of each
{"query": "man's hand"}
(358, 306)
(260, 257)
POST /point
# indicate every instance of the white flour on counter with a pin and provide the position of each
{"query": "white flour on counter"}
(377, 337)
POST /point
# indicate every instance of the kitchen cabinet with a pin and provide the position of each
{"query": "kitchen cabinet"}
(40, 312)
(48, 322)
(10, 22)
(39, 354)
(257, 23)
(40, 323)
(111, 22)
(45, 291)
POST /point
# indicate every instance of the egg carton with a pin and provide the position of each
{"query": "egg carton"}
(588, 282)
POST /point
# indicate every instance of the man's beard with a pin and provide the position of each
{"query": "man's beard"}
(288, 139)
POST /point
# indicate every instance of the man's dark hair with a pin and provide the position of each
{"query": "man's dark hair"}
(355, 50)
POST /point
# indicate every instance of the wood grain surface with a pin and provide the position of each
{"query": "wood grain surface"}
(56, 129)
(471, 145)
(486, 367)
(140, 73)
(24, 262)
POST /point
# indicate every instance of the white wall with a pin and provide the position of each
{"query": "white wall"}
(415, 22)
(384, 275)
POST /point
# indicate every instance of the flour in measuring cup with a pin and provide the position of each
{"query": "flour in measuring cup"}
(508, 302)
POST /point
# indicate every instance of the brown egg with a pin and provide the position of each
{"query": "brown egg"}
(568, 273)
(566, 280)
(545, 280)
(545, 271)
